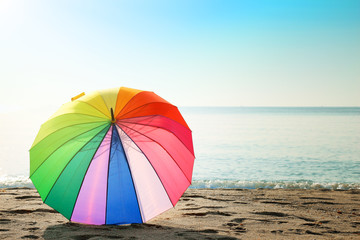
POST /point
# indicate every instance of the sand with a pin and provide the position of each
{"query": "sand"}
(200, 214)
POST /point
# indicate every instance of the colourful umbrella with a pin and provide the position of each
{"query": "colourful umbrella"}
(114, 156)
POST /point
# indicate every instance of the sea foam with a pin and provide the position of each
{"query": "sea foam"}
(272, 184)
(23, 181)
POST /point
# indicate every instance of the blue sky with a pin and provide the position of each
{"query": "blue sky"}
(192, 53)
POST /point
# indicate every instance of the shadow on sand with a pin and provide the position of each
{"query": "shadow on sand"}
(134, 231)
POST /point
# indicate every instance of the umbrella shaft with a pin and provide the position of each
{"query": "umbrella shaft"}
(112, 115)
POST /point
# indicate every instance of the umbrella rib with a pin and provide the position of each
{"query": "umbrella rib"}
(63, 129)
(72, 159)
(77, 196)
(107, 178)
(161, 128)
(161, 147)
(155, 115)
(150, 165)
(61, 146)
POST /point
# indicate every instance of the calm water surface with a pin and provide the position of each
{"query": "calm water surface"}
(275, 147)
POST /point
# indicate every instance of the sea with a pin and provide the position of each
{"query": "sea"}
(260, 147)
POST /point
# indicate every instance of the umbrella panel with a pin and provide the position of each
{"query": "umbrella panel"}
(63, 194)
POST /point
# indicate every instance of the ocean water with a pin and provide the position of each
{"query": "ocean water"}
(276, 147)
(253, 147)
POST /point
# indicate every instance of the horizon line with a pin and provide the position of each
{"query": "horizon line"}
(274, 106)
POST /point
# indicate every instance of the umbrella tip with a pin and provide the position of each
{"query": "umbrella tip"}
(77, 96)
(112, 116)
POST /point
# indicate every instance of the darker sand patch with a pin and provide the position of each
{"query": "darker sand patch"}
(200, 214)
(353, 191)
(276, 202)
(241, 202)
(317, 198)
(238, 220)
(31, 229)
(274, 214)
(28, 197)
(8, 193)
(209, 231)
(306, 219)
(27, 211)
(88, 236)
(30, 237)
(312, 233)
(240, 229)
(198, 208)
(321, 202)
(4, 221)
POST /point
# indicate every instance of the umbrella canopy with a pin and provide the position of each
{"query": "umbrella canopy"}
(114, 156)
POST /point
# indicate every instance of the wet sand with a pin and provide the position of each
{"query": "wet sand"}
(200, 214)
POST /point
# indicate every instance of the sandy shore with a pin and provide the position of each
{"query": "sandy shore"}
(200, 214)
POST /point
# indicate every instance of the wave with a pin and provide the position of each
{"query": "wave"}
(24, 181)
(302, 184)
(15, 181)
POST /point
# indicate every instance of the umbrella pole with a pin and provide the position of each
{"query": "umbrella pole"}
(112, 115)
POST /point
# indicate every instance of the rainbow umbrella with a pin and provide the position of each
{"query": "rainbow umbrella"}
(114, 156)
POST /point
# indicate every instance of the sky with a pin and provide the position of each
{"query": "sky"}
(190, 52)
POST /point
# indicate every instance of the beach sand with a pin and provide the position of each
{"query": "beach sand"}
(200, 214)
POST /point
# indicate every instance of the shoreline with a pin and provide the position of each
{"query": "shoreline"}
(25, 182)
(200, 214)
